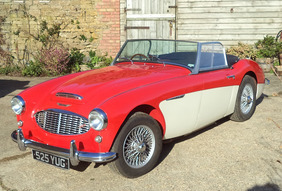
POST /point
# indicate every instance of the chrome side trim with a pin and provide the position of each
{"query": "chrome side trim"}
(176, 97)
(63, 105)
(73, 154)
(69, 95)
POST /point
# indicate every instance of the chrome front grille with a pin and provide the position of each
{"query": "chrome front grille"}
(62, 122)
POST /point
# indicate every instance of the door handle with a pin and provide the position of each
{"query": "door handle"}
(232, 76)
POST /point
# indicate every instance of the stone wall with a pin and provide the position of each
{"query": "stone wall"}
(85, 24)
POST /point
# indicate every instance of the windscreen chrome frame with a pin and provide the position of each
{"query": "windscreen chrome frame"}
(194, 70)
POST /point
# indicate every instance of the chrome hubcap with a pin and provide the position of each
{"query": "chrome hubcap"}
(139, 146)
(247, 98)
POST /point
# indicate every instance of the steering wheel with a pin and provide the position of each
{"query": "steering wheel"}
(139, 55)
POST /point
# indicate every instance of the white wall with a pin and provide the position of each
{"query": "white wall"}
(228, 21)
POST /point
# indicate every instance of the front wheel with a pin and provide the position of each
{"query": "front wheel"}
(138, 145)
(246, 100)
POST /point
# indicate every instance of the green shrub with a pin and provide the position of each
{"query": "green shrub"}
(10, 69)
(33, 69)
(268, 47)
(107, 60)
(75, 59)
(98, 61)
(93, 60)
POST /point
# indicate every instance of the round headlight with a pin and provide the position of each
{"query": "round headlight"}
(98, 119)
(17, 104)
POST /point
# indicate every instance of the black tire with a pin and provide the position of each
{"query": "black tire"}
(246, 100)
(131, 140)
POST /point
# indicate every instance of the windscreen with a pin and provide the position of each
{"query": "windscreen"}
(161, 51)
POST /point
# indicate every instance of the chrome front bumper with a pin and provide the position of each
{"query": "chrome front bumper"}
(73, 154)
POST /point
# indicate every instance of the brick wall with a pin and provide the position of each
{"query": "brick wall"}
(109, 12)
(96, 20)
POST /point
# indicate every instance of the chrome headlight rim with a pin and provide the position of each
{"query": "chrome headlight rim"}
(97, 119)
(18, 104)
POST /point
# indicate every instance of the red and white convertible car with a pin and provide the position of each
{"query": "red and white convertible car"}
(154, 90)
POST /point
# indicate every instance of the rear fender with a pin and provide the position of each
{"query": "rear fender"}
(251, 68)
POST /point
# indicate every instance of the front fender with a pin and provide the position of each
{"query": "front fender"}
(119, 109)
(145, 98)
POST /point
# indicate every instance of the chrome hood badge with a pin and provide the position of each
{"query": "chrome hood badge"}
(69, 95)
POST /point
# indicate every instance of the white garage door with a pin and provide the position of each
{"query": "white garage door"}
(154, 19)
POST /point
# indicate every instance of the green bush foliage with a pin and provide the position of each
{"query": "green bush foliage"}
(33, 69)
(75, 59)
(96, 61)
(268, 47)
(9, 69)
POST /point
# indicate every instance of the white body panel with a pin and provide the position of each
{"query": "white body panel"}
(181, 114)
(216, 103)
(198, 109)
(260, 88)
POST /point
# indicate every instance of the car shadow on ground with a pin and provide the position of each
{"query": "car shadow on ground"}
(266, 187)
(82, 166)
(8, 86)
(261, 98)
(169, 144)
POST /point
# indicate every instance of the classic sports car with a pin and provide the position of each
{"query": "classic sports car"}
(154, 90)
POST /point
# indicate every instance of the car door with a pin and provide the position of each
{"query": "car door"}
(220, 91)
(218, 96)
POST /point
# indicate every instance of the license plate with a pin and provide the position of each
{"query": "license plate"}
(51, 159)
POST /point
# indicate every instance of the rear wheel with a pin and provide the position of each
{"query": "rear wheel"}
(246, 100)
(138, 145)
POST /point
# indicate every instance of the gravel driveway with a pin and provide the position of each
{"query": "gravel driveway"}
(224, 156)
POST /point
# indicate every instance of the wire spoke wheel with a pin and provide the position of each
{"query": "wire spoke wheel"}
(247, 98)
(138, 146)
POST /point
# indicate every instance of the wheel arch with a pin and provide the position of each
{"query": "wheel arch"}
(153, 112)
(252, 74)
